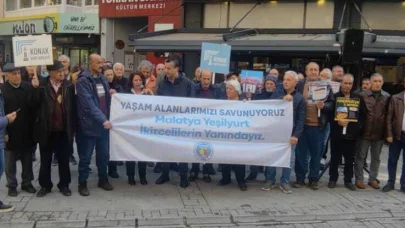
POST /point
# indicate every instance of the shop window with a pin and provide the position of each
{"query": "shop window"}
(95, 2)
(47, 2)
(25, 4)
(88, 2)
(11, 5)
(384, 15)
(74, 2)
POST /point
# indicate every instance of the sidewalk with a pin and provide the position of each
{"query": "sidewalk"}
(205, 205)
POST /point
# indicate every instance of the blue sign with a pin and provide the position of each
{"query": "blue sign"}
(215, 57)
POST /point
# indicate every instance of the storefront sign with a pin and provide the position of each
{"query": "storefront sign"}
(215, 57)
(134, 8)
(44, 24)
(79, 23)
(32, 50)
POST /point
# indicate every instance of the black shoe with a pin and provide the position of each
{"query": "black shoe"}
(332, 184)
(29, 189)
(55, 162)
(313, 185)
(158, 168)
(298, 184)
(72, 160)
(388, 187)
(207, 178)
(242, 186)
(6, 208)
(251, 177)
(65, 191)
(113, 175)
(184, 182)
(131, 181)
(151, 164)
(350, 186)
(223, 182)
(12, 192)
(143, 181)
(83, 190)
(402, 189)
(42, 192)
(193, 177)
(105, 185)
(162, 179)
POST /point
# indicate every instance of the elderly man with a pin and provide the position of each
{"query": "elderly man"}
(325, 75)
(119, 77)
(197, 75)
(344, 144)
(146, 69)
(160, 73)
(65, 60)
(310, 145)
(365, 85)
(204, 90)
(21, 97)
(56, 123)
(373, 134)
(93, 108)
(337, 73)
(176, 84)
(289, 93)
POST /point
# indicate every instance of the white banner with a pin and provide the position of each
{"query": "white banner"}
(32, 50)
(172, 129)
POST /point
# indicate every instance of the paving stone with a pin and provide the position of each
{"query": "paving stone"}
(208, 220)
(60, 224)
(329, 217)
(110, 222)
(17, 224)
(160, 221)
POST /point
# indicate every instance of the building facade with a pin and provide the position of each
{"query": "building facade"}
(287, 34)
(74, 25)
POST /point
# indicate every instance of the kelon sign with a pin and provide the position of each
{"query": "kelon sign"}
(137, 8)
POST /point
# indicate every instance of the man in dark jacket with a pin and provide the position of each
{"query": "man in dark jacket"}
(344, 144)
(206, 90)
(21, 97)
(289, 93)
(314, 132)
(396, 138)
(375, 113)
(55, 128)
(93, 109)
(175, 84)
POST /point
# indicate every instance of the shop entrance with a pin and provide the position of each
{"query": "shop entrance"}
(80, 56)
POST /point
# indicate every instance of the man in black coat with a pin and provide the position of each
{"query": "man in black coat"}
(55, 127)
(21, 97)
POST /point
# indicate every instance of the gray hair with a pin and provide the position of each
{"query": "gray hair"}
(64, 57)
(145, 63)
(337, 66)
(350, 76)
(236, 85)
(293, 74)
(376, 75)
(117, 65)
(328, 72)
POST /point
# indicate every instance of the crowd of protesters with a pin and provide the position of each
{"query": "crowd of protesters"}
(67, 106)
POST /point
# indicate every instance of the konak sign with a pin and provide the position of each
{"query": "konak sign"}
(137, 8)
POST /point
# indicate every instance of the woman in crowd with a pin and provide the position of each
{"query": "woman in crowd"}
(233, 92)
(137, 86)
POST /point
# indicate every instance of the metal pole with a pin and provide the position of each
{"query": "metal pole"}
(233, 28)
(365, 21)
(342, 16)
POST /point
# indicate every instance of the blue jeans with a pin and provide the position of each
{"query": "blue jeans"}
(324, 143)
(85, 148)
(1, 162)
(393, 157)
(309, 147)
(286, 172)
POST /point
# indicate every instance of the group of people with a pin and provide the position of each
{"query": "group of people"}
(73, 105)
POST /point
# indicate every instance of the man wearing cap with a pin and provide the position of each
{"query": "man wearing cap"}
(21, 97)
(55, 127)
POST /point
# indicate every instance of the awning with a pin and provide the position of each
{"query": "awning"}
(175, 41)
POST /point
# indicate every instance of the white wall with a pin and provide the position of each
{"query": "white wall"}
(215, 15)
(387, 16)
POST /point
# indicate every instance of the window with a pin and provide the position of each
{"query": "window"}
(25, 4)
(74, 2)
(88, 2)
(11, 5)
(95, 2)
(47, 2)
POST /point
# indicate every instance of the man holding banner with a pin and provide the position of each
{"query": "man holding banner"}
(319, 103)
(175, 84)
(346, 123)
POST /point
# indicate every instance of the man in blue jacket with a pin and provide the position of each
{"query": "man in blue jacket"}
(93, 109)
(290, 94)
(4, 121)
(175, 84)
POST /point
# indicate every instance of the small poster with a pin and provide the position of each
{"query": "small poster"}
(317, 91)
(252, 81)
(335, 86)
(347, 109)
(215, 57)
(32, 50)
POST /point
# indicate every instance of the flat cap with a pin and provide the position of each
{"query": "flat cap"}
(9, 67)
(57, 65)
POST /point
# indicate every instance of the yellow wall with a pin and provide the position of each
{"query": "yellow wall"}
(387, 15)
